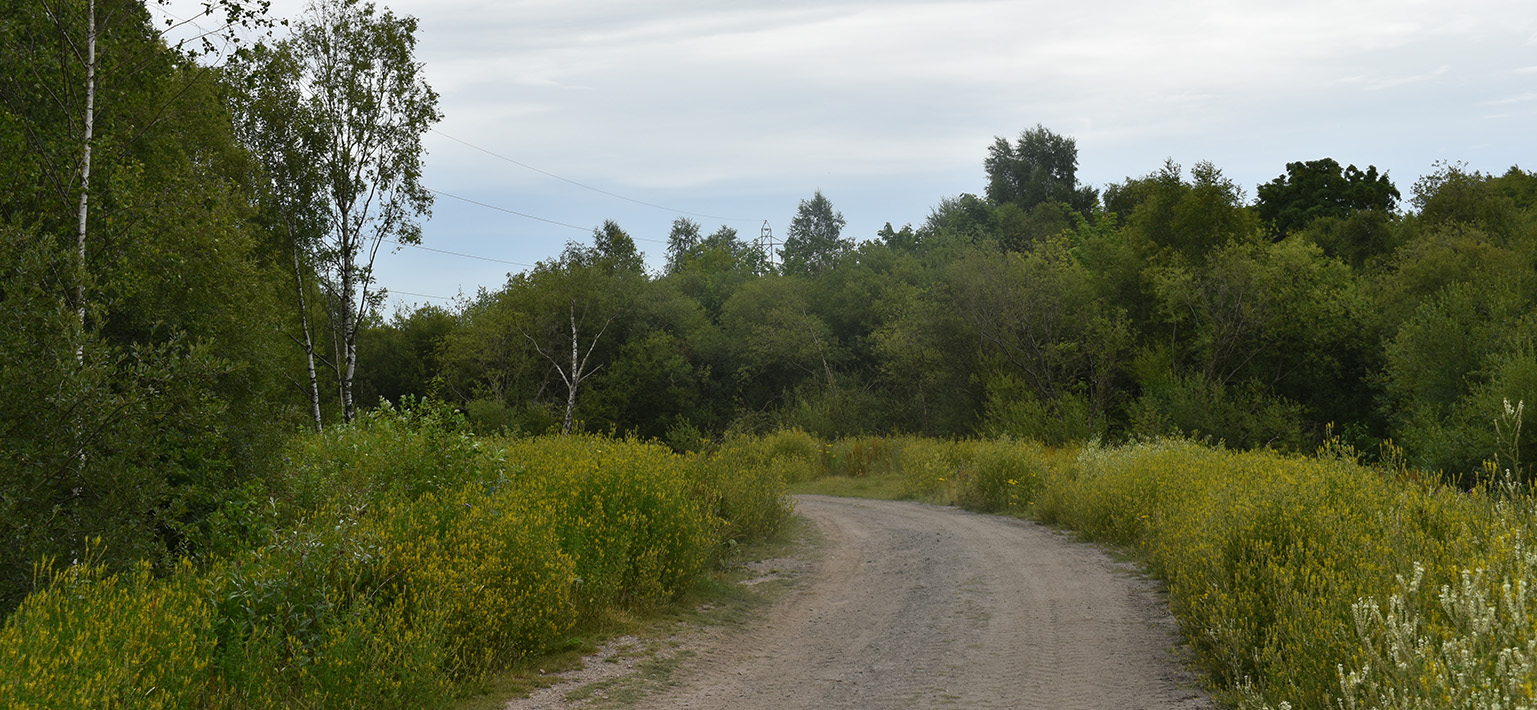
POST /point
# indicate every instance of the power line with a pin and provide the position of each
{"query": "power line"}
(520, 214)
(455, 253)
(586, 186)
(504, 209)
(418, 295)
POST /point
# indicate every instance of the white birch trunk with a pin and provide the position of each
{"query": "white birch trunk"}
(85, 174)
(349, 333)
(309, 343)
(574, 379)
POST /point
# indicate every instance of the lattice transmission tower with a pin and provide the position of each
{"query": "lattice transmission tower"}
(766, 244)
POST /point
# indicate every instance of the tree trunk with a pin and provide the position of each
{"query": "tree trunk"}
(574, 379)
(85, 174)
(309, 343)
(349, 341)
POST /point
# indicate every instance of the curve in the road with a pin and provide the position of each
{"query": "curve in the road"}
(916, 605)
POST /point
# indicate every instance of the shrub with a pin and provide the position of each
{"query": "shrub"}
(1268, 559)
(419, 446)
(406, 557)
(92, 639)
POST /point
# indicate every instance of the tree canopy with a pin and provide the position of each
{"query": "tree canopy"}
(813, 243)
(1321, 188)
(1039, 166)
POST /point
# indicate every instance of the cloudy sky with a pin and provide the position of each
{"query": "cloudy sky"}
(732, 112)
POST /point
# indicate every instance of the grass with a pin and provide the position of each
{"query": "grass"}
(882, 487)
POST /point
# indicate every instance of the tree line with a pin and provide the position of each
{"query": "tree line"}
(186, 246)
(1166, 304)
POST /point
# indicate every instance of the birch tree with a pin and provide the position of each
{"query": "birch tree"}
(578, 370)
(569, 305)
(291, 186)
(356, 120)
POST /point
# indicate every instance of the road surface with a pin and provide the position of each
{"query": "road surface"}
(915, 605)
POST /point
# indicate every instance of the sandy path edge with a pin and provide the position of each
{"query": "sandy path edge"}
(915, 605)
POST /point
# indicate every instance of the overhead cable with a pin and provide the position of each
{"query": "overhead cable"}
(455, 253)
(504, 209)
(586, 186)
(418, 295)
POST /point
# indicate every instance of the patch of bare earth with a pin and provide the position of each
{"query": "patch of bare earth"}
(914, 605)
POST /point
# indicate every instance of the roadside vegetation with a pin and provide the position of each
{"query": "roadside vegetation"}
(395, 562)
(1298, 581)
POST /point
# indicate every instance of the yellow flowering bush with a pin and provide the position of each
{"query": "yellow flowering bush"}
(999, 476)
(92, 639)
(395, 558)
(623, 511)
(1276, 564)
(743, 483)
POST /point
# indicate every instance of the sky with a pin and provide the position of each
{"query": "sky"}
(732, 112)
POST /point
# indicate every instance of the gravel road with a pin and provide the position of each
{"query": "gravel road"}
(914, 605)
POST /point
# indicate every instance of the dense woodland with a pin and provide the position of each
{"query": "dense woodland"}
(1165, 304)
(186, 285)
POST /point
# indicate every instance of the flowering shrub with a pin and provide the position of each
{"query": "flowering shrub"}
(90, 639)
(1279, 568)
(401, 556)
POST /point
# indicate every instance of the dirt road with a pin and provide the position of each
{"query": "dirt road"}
(915, 605)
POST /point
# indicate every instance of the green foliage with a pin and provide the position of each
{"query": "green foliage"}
(402, 558)
(1044, 335)
(1452, 195)
(1013, 411)
(1321, 188)
(400, 358)
(1245, 416)
(90, 638)
(131, 445)
(792, 454)
(1450, 367)
(405, 451)
(1361, 239)
(1187, 219)
(1039, 167)
(813, 243)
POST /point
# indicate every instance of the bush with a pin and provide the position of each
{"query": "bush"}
(1013, 412)
(418, 446)
(405, 557)
(1268, 559)
(1243, 416)
(92, 639)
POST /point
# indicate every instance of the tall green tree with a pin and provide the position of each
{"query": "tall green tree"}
(1321, 188)
(612, 247)
(681, 241)
(355, 130)
(1040, 166)
(290, 184)
(814, 242)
